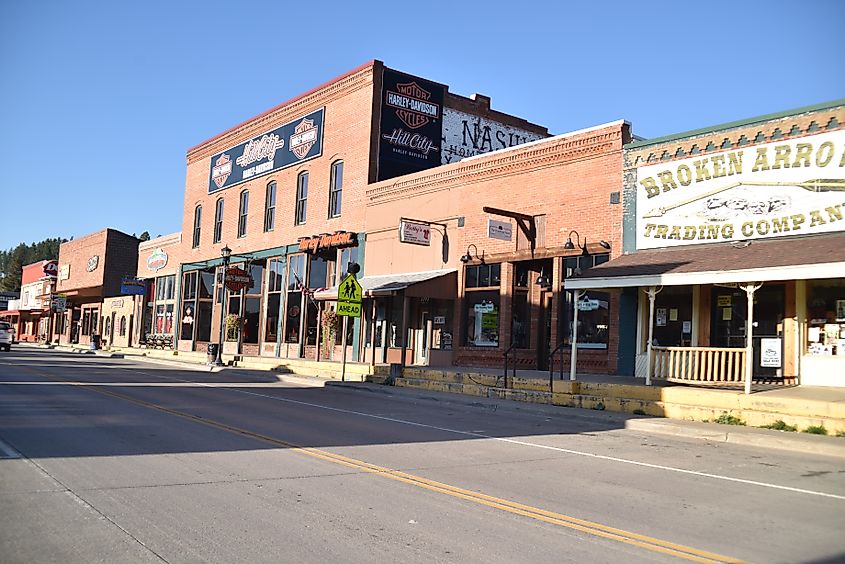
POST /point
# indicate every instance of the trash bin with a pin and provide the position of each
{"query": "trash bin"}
(95, 342)
(213, 348)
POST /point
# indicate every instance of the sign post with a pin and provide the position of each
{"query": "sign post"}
(349, 296)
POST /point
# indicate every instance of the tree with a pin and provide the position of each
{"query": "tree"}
(13, 260)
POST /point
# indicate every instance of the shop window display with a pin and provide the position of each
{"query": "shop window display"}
(826, 317)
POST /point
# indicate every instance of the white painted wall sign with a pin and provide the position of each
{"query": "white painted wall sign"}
(466, 135)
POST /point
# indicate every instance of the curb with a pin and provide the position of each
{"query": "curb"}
(746, 436)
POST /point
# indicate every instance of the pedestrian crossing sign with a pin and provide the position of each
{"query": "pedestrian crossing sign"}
(349, 295)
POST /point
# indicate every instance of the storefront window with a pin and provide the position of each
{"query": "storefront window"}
(293, 317)
(593, 308)
(275, 285)
(482, 318)
(826, 317)
(203, 320)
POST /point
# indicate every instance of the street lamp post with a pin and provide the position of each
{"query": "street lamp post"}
(226, 253)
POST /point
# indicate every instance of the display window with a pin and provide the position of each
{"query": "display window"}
(826, 317)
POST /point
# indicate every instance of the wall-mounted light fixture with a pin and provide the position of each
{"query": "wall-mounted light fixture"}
(584, 252)
(468, 256)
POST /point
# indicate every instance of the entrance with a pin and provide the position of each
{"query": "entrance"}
(421, 340)
(729, 312)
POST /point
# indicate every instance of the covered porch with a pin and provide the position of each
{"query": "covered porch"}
(730, 314)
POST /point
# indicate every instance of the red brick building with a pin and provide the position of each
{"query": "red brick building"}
(92, 268)
(273, 188)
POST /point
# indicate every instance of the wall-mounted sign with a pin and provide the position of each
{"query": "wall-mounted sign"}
(790, 187)
(588, 305)
(440, 320)
(337, 240)
(295, 141)
(411, 124)
(467, 135)
(723, 301)
(51, 269)
(130, 286)
(92, 263)
(770, 352)
(64, 272)
(502, 230)
(157, 260)
(237, 279)
(117, 303)
(416, 233)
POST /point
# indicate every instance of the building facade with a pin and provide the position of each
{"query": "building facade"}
(286, 193)
(735, 252)
(92, 268)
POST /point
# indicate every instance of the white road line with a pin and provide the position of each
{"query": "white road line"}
(534, 445)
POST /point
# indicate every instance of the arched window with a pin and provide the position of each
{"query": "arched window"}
(243, 212)
(336, 189)
(218, 220)
(197, 225)
(270, 207)
(122, 325)
(301, 198)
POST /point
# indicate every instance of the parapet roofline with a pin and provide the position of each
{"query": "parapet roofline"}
(283, 104)
(735, 124)
(618, 122)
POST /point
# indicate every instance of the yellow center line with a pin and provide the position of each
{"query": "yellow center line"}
(585, 526)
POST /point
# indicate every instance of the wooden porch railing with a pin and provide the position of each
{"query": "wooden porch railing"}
(700, 365)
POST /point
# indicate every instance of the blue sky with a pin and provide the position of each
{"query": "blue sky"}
(99, 101)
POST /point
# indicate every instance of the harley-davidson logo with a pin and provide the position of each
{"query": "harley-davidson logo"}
(221, 170)
(303, 138)
(412, 105)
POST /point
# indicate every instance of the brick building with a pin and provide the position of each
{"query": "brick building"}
(274, 189)
(735, 252)
(92, 268)
(38, 281)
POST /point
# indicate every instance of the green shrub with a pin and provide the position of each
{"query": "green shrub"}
(727, 419)
(816, 430)
(780, 425)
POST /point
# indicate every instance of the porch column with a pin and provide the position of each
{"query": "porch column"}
(652, 292)
(573, 355)
(406, 312)
(749, 288)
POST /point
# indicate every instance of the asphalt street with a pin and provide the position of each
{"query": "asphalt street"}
(115, 460)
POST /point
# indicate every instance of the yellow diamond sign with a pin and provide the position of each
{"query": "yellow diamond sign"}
(349, 295)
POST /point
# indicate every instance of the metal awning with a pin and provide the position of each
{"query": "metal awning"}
(391, 284)
(794, 258)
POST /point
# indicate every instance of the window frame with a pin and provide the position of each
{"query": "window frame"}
(243, 212)
(219, 208)
(301, 208)
(270, 206)
(336, 189)
(197, 226)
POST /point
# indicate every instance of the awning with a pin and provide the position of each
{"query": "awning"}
(431, 284)
(795, 258)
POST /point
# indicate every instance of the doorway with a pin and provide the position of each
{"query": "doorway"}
(422, 339)
(544, 330)
(729, 309)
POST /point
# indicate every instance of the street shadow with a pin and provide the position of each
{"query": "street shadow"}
(55, 406)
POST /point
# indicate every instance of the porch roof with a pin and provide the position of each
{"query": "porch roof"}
(758, 260)
(390, 284)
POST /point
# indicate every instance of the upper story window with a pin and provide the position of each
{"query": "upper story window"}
(218, 220)
(197, 226)
(270, 207)
(301, 198)
(243, 213)
(336, 189)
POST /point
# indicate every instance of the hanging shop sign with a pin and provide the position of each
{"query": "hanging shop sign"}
(414, 233)
(237, 279)
(292, 143)
(502, 230)
(130, 286)
(411, 124)
(58, 303)
(788, 187)
(326, 241)
(157, 260)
